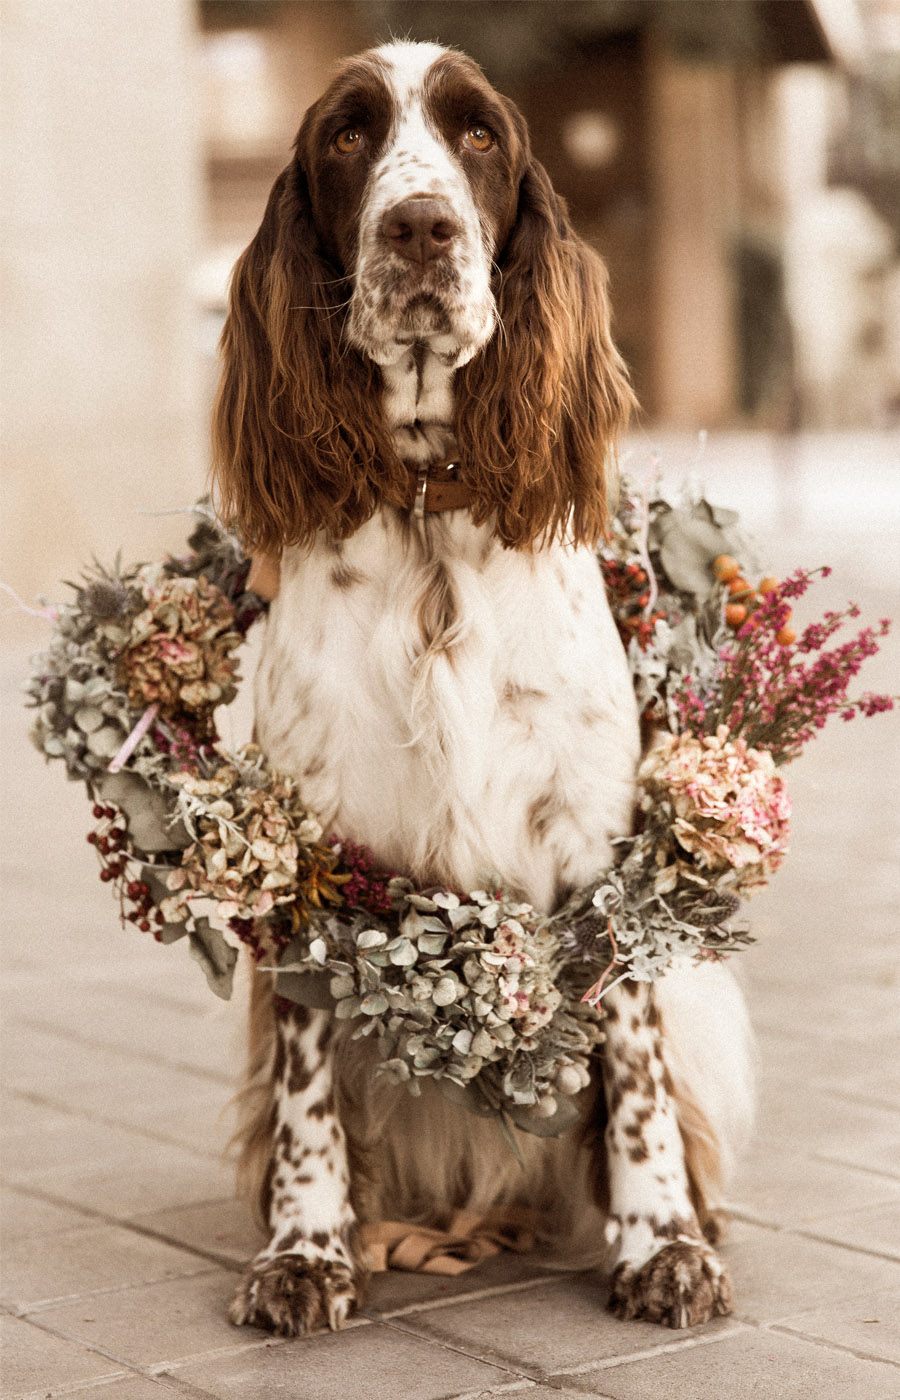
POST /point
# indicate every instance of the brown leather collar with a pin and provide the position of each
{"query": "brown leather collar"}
(437, 488)
(431, 489)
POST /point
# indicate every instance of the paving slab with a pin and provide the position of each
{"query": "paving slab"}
(158, 1324)
(875, 1231)
(131, 1176)
(33, 1358)
(548, 1328)
(133, 1388)
(365, 1364)
(750, 1365)
(868, 1326)
(776, 1273)
(24, 1217)
(782, 1189)
(73, 1263)
(825, 1117)
(222, 1228)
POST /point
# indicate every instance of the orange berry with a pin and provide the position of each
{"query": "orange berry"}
(735, 614)
(725, 568)
(768, 584)
(738, 585)
(787, 636)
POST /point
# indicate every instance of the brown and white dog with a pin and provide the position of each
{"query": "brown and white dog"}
(442, 675)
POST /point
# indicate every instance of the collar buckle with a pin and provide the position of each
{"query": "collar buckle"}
(421, 492)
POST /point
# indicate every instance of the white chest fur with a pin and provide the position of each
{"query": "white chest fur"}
(462, 709)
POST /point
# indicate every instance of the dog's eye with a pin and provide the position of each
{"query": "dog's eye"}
(479, 138)
(348, 141)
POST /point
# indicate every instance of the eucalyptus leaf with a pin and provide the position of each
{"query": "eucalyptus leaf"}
(312, 989)
(566, 1116)
(88, 719)
(216, 957)
(403, 954)
(432, 943)
(467, 1096)
(105, 742)
(371, 938)
(146, 809)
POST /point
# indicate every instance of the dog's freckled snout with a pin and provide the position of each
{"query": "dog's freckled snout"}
(420, 230)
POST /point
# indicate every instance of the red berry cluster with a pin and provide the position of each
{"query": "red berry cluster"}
(628, 588)
(110, 841)
(367, 886)
(276, 935)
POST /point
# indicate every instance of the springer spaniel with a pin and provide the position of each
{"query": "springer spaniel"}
(419, 398)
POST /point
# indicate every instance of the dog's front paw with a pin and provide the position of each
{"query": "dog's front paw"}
(292, 1294)
(682, 1285)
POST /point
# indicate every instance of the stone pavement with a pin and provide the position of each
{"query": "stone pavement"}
(121, 1240)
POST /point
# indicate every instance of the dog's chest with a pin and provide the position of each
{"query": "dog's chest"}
(463, 710)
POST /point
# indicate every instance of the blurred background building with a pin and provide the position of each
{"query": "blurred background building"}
(735, 161)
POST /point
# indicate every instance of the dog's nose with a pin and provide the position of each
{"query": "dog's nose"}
(420, 229)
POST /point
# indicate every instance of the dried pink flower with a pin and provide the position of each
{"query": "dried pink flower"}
(730, 808)
(179, 653)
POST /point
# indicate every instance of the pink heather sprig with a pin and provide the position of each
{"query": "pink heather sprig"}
(774, 694)
(690, 708)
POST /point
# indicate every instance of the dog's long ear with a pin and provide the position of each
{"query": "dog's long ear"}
(299, 444)
(542, 406)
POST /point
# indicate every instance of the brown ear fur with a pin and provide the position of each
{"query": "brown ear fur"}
(541, 408)
(299, 443)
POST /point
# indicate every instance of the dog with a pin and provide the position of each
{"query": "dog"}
(418, 413)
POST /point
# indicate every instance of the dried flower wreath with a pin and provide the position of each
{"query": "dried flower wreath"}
(475, 989)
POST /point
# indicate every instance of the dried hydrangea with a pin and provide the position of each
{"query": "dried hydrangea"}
(462, 991)
(255, 850)
(729, 808)
(179, 650)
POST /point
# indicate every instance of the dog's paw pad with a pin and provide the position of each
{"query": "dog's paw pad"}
(681, 1286)
(293, 1294)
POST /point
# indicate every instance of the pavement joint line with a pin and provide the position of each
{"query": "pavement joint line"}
(829, 1345)
(180, 1387)
(129, 1368)
(90, 1213)
(509, 1367)
(880, 1172)
(73, 1387)
(41, 1305)
(891, 1256)
(867, 1100)
(513, 1388)
(267, 1341)
(772, 1322)
(80, 1387)
(121, 1051)
(609, 1363)
(89, 1116)
(491, 1291)
(800, 1231)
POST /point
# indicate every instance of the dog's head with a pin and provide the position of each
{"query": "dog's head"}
(413, 213)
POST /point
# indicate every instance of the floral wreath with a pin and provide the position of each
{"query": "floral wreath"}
(476, 990)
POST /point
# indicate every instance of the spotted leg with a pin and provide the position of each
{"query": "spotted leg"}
(306, 1276)
(665, 1271)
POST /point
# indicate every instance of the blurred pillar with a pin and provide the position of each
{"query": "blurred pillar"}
(694, 155)
(100, 376)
